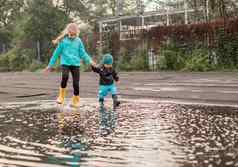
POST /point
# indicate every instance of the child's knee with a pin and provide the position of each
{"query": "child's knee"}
(101, 96)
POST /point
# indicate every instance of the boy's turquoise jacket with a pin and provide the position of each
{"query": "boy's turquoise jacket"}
(71, 51)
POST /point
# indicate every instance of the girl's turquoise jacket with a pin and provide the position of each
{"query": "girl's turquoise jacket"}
(71, 51)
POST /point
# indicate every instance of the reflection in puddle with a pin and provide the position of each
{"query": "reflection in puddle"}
(137, 134)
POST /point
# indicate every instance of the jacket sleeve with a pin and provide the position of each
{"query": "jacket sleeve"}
(96, 69)
(115, 75)
(56, 54)
(83, 54)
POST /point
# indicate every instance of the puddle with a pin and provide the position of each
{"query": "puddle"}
(138, 134)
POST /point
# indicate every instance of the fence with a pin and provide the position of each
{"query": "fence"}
(170, 47)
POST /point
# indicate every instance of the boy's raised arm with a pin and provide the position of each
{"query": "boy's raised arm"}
(95, 69)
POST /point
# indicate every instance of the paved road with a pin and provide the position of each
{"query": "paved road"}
(210, 88)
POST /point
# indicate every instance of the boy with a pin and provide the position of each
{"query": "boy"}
(106, 84)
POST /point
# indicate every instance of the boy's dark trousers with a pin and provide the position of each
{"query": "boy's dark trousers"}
(75, 72)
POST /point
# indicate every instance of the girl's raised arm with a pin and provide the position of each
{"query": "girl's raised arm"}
(60, 37)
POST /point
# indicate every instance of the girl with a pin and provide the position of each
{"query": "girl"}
(71, 50)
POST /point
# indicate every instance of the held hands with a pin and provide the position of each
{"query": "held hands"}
(55, 41)
(94, 64)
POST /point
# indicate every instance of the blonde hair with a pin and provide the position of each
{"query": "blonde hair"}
(71, 27)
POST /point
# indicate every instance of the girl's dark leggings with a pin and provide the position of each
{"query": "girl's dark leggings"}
(75, 71)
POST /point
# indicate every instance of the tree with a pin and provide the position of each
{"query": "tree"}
(44, 22)
(218, 8)
(9, 10)
(91, 10)
(72, 6)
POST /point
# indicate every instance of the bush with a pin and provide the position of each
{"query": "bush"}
(162, 63)
(227, 50)
(199, 61)
(124, 62)
(8, 60)
(171, 60)
(17, 60)
(174, 57)
(4, 63)
(171, 57)
(140, 62)
(137, 62)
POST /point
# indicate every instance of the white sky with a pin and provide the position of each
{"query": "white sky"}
(149, 5)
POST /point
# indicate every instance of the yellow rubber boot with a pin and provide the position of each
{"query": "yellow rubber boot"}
(75, 101)
(62, 93)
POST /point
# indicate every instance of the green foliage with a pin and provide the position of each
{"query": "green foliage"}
(137, 62)
(4, 63)
(5, 35)
(172, 57)
(18, 60)
(124, 63)
(199, 61)
(23, 23)
(227, 50)
(9, 11)
(41, 22)
(217, 8)
(45, 21)
(140, 62)
(11, 61)
(70, 6)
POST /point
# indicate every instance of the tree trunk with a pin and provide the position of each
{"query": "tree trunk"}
(38, 51)
(4, 48)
